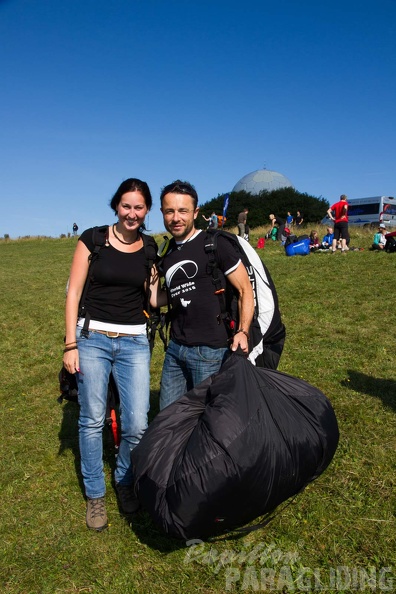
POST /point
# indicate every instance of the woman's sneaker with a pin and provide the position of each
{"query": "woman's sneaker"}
(96, 514)
(128, 501)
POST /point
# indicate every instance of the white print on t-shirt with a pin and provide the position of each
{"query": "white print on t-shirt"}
(183, 288)
(184, 302)
(188, 267)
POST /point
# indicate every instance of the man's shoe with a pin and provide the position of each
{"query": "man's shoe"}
(96, 514)
(128, 501)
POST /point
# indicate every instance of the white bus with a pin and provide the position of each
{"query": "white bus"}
(369, 212)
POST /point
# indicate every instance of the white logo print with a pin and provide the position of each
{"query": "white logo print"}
(184, 302)
(189, 268)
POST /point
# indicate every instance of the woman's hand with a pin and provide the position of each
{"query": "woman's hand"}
(71, 361)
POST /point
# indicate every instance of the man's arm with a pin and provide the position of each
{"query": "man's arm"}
(240, 281)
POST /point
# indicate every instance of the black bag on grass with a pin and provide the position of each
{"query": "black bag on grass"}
(390, 245)
(232, 449)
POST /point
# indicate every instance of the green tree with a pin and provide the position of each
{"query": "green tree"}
(278, 202)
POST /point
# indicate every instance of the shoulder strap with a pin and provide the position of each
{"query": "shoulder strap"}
(150, 253)
(213, 270)
(155, 319)
(100, 237)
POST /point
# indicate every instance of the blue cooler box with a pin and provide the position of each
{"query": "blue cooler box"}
(300, 248)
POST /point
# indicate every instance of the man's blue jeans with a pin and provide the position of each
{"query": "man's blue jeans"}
(128, 358)
(187, 366)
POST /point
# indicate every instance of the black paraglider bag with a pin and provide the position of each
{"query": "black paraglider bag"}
(232, 449)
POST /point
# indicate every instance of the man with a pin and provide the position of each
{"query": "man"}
(199, 339)
(299, 219)
(242, 218)
(338, 213)
(327, 240)
(289, 220)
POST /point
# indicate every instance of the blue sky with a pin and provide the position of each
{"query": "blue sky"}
(96, 91)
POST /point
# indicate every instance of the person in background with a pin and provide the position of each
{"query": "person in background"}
(338, 212)
(272, 233)
(115, 342)
(327, 240)
(289, 220)
(75, 229)
(280, 223)
(212, 220)
(199, 338)
(242, 218)
(379, 241)
(299, 219)
(314, 243)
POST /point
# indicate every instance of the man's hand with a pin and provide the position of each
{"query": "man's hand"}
(240, 339)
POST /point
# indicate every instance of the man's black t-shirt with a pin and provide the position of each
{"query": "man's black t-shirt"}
(195, 313)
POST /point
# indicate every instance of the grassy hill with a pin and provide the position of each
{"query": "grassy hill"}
(340, 314)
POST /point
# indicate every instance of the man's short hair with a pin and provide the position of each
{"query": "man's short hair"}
(180, 187)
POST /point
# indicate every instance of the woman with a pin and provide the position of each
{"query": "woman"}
(314, 243)
(116, 342)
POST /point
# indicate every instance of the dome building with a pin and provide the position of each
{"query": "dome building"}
(262, 179)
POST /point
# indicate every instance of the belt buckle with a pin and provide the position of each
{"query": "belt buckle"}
(110, 334)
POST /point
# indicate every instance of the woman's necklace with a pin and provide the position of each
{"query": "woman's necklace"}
(121, 240)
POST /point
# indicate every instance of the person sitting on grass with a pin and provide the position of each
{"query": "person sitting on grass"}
(314, 243)
(328, 239)
(379, 238)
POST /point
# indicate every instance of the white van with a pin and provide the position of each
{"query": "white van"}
(369, 212)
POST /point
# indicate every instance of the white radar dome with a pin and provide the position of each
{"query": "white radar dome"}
(260, 180)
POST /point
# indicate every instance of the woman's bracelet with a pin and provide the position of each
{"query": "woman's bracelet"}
(243, 332)
(70, 343)
(71, 348)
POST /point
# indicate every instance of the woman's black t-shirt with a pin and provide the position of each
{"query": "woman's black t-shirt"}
(116, 292)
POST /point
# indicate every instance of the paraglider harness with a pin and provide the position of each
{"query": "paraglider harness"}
(260, 333)
(155, 322)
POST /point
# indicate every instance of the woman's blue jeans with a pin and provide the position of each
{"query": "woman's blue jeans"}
(187, 366)
(128, 358)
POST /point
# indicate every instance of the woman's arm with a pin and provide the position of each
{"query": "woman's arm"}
(78, 276)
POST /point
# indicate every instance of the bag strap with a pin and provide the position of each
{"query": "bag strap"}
(100, 238)
(154, 317)
(213, 271)
(267, 518)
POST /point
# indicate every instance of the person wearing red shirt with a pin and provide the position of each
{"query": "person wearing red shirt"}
(338, 212)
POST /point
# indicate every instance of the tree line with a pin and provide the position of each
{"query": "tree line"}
(260, 206)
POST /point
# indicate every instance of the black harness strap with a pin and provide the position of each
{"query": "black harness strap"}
(100, 237)
(213, 271)
(155, 319)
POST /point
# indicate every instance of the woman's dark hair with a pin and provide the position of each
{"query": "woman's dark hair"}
(180, 187)
(132, 185)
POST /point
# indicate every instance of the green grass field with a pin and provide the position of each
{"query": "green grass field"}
(337, 536)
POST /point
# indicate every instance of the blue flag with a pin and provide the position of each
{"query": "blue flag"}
(225, 206)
